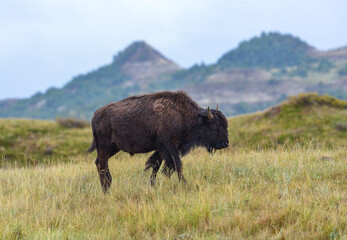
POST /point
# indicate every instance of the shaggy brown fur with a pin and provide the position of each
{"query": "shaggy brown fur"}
(170, 123)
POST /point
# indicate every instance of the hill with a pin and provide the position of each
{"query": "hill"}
(130, 72)
(307, 120)
(272, 50)
(257, 74)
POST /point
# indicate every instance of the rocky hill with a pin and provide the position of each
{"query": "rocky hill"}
(264, 70)
(259, 73)
(131, 72)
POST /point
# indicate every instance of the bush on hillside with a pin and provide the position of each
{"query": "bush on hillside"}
(324, 66)
(343, 71)
(72, 122)
(309, 99)
(341, 126)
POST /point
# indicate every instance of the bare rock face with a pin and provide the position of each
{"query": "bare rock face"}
(242, 85)
(338, 54)
(143, 73)
(144, 64)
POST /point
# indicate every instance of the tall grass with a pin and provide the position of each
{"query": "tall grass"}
(284, 177)
(297, 193)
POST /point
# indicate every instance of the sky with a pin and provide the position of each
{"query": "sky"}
(45, 43)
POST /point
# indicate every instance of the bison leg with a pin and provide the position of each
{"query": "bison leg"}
(154, 162)
(179, 168)
(173, 163)
(103, 170)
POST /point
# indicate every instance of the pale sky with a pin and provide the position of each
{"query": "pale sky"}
(44, 43)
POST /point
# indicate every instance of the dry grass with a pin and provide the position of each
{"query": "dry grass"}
(297, 193)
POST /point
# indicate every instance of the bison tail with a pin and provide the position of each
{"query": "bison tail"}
(92, 147)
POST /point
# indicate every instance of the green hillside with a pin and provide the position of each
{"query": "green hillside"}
(270, 50)
(78, 98)
(81, 96)
(29, 142)
(306, 120)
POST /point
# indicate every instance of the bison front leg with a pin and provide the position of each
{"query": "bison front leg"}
(180, 174)
(154, 162)
(173, 163)
(104, 172)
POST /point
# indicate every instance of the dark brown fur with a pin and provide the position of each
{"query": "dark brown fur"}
(170, 123)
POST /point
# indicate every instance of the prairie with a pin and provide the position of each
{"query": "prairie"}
(281, 194)
(284, 177)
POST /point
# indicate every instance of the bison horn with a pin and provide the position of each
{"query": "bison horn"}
(209, 114)
(217, 107)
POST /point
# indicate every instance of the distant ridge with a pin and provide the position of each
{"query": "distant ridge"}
(257, 74)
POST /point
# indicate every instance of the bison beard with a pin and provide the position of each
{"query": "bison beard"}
(170, 123)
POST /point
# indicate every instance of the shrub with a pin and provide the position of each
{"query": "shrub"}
(343, 71)
(341, 126)
(308, 99)
(324, 66)
(72, 122)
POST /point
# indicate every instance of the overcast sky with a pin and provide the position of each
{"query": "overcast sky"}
(45, 43)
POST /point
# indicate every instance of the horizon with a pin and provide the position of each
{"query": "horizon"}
(47, 44)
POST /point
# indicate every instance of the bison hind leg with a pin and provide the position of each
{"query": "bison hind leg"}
(154, 162)
(102, 166)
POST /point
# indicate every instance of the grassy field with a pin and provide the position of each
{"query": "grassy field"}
(284, 177)
(280, 194)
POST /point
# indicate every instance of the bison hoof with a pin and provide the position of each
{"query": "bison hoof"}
(152, 181)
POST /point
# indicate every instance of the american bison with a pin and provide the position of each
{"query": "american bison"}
(168, 123)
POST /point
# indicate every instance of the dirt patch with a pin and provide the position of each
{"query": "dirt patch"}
(273, 111)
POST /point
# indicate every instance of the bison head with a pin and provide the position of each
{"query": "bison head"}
(213, 129)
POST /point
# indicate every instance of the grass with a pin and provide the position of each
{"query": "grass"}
(260, 194)
(283, 178)
(31, 142)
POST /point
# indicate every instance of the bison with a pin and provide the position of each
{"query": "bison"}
(168, 123)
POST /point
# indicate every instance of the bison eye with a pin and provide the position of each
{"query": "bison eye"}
(214, 126)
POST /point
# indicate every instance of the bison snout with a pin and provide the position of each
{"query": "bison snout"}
(222, 145)
(225, 144)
